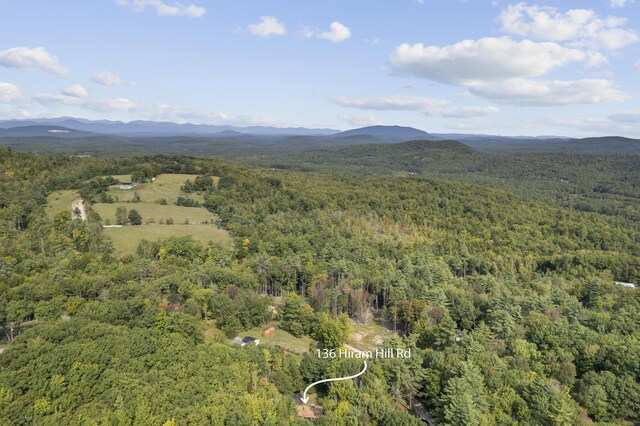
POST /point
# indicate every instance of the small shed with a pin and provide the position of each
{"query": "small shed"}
(269, 331)
(627, 285)
(125, 185)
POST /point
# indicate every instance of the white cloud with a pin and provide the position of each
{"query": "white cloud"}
(9, 93)
(31, 58)
(502, 69)
(76, 91)
(637, 64)
(165, 9)
(626, 117)
(13, 113)
(267, 27)
(169, 112)
(123, 105)
(464, 111)
(390, 103)
(589, 125)
(337, 33)
(580, 27)
(520, 91)
(102, 105)
(360, 120)
(618, 3)
(487, 59)
(429, 106)
(372, 42)
(107, 78)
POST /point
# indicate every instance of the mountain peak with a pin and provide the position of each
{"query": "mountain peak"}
(387, 132)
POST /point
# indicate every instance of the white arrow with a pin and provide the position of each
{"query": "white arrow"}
(305, 398)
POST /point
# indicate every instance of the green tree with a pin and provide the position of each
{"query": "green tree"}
(297, 315)
(332, 332)
(121, 216)
(134, 217)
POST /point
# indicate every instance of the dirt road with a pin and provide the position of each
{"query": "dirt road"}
(78, 204)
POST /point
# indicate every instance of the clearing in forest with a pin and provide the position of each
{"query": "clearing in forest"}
(127, 238)
(186, 221)
(153, 213)
(367, 337)
(60, 200)
(280, 338)
(165, 186)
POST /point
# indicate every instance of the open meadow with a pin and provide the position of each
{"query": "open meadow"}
(60, 200)
(194, 221)
(156, 212)
(165, 186)
(127, 238)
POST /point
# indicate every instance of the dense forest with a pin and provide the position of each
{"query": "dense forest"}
(508, 300)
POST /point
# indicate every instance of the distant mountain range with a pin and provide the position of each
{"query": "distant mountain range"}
(158, 128)
(211, 139)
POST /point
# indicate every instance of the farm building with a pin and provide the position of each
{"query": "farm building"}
(126, 185)
(627, 285)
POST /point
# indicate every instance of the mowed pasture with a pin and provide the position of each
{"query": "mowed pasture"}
(157, 212)
(165, 186)
(194, 221)
(127, 238)
(60, 200)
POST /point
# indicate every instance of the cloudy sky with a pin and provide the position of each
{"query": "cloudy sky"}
(476, 66)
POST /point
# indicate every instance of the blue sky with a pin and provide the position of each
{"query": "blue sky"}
(477, 66)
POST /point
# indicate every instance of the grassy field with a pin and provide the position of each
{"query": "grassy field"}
(126, 239)
(179, 214)
(60, 200)
(165, 186)
(367, 337)
(280, 338)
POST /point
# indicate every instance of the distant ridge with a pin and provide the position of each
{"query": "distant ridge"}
(410, 157)
(396, 133)
(206, 139)
(593, 145)
(164, 128)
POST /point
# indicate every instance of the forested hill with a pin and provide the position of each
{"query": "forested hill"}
(509, 306)
(593, 145)
(608, 184)
(413, 156)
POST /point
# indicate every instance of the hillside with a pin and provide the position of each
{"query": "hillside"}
(412, 156)
(488, 291)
